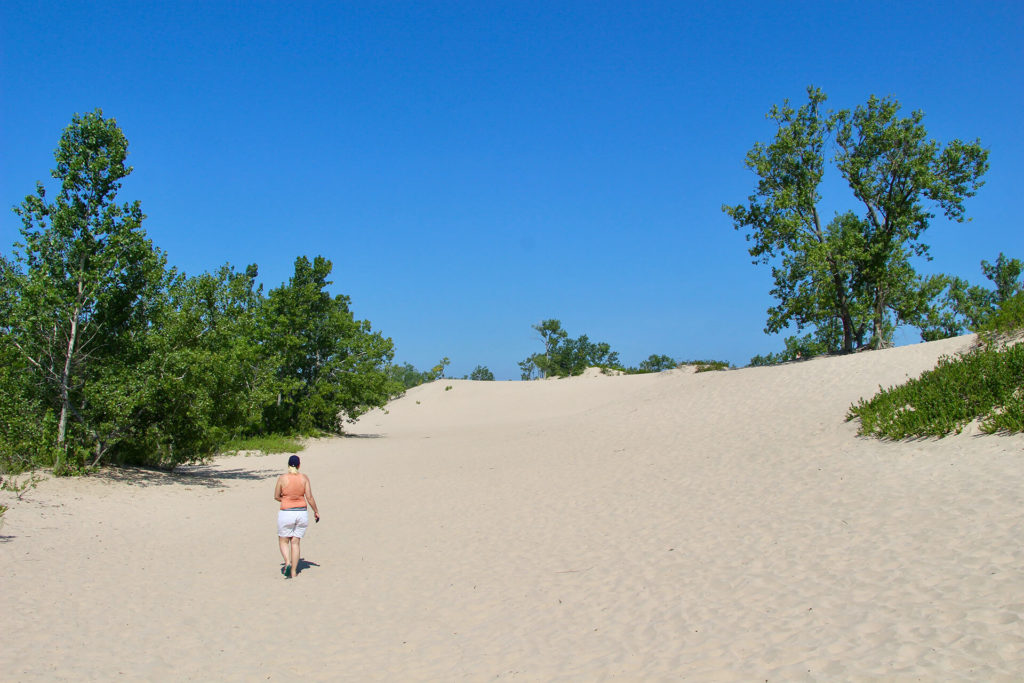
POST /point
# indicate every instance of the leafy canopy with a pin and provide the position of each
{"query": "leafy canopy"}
(564, 356)
(849, 279)
(106, 355)
(84, 279)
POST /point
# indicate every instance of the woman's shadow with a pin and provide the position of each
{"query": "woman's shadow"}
(303, 565)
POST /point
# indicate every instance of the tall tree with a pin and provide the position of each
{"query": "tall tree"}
(814, 271)
(331, 366)
(852, 274)
(893, 169)
(87, 272)
(553, 336)
(482, 373)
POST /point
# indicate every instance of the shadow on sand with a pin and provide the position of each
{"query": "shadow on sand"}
(192, 475)
(304, 564)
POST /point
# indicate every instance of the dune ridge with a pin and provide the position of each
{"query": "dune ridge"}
(720, 525)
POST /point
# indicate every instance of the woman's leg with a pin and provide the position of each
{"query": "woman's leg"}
(283, 545)
(295, 555)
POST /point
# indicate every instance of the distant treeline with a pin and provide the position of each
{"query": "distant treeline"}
(109, 356)
(564, 356)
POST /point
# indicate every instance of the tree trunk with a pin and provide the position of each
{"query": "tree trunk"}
(844, 315)
(879, 317)
(65, 390)
(837, 281)
(847, 333)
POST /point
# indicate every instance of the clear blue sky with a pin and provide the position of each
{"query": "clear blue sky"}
(472, 168)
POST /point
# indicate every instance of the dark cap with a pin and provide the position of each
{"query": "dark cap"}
(293, 461)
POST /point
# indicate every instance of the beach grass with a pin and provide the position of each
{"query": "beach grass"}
(269, 443)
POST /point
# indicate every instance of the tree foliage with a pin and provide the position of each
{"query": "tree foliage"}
(207, 375)
(961, 307)
(331, 366)
(106, 355)
(85, 275)
(406, 376)
(481, 374)
(796, 348)
(564, 356)
(657, 363)
(850, 280)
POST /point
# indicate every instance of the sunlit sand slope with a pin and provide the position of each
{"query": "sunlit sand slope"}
(721, 525)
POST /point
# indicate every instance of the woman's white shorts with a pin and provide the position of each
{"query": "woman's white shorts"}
(292, 523)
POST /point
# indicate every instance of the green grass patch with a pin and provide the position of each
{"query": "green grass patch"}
(271, 443)
(986, 384)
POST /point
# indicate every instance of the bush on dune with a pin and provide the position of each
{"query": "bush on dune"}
(1005, 322)
(709, 365)
(986, 384)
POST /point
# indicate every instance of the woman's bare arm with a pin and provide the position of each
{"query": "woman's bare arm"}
(277, 489)
(310, 499)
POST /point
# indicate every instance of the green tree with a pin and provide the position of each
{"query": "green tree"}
(893, 169)
(528, 368)
(553, 337)
(1005, 275)
(656, 363)
(481, 373)
(26, 434)
(437, 372)
(796, 348)
(564, 356)
(851, 275)
(207, 376)
(815, 267)
(331, 366)
(962, 306)
(86, 274)
(406, 376)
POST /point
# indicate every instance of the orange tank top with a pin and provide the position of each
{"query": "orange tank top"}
(293, 491)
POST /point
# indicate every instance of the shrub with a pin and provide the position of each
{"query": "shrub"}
(1008, 320)
(985, 384)
(564, 356)
(481, 373)
(797, 348)
(709, 365)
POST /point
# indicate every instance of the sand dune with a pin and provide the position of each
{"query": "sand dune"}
(712, 526)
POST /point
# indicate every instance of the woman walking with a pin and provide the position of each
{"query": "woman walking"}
(294, 493)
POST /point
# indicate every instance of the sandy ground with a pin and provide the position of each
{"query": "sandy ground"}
(678, 526)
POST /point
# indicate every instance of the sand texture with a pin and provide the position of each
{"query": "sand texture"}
(677, 526)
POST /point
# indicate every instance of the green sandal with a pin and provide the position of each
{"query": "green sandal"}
(285, 570)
